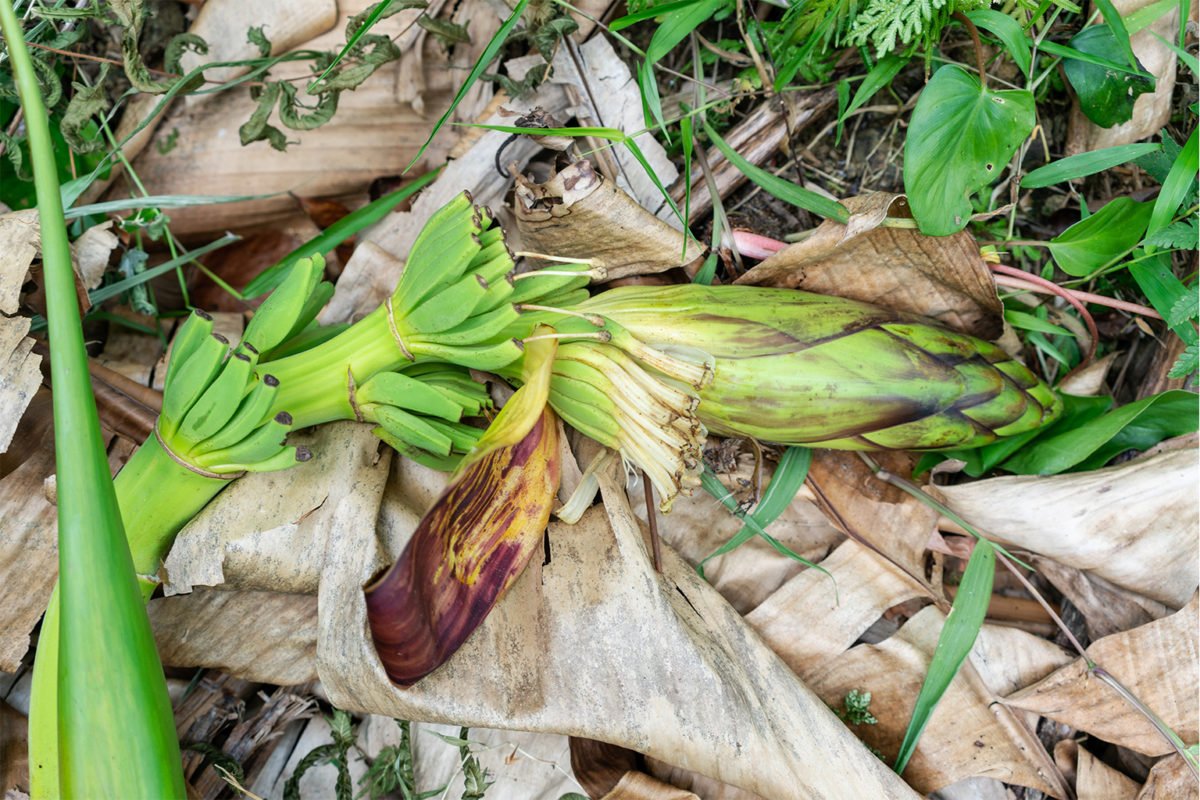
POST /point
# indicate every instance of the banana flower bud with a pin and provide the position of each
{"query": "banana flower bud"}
(478, 537)
(797, 368)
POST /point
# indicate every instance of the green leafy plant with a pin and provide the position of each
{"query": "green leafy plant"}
(856, 709)
(337, 753)
(1105, 97)
(889, 25)
(961, 136)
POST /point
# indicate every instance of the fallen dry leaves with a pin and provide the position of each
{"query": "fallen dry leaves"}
(1158, 662)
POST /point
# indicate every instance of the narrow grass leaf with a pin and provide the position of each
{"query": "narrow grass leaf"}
(621, 23)
(1190, 61)
(954, 643)
(486, 57)
(1008, 31)
(114, 289)
(686, 139)
(713, 485)
(1084, 164)
(1019, 319)
(789, 476)
(1112, 18)
(162, 201)
(1148, 15)
(1136, 426)
(881, 75)
(115, 730)
(778, 187)
(377, 13)
(1180, 182)
(336, 233)
(1066, 51)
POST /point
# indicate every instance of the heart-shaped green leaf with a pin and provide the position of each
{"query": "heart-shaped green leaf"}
(960, 137)
(1102, 238)
(1106, 96)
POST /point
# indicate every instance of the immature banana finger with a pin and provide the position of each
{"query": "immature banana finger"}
(448, 307)
(277, 315)
(317, 299)
(479, 328)
(401, 391)
(260, 445)
(248, 416)
(194, 330)
(221, 399)
(188, 382)
(412, 429)
(285, 459)
(489, 357)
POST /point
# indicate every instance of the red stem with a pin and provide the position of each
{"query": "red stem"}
(1065, 294)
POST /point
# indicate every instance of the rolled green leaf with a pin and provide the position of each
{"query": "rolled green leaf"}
(112, 725)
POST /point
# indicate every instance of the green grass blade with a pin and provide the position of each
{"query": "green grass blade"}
(713, 485)
(1063, 51)
(621, 23)
(1112, 18)
(1180, 181)
(778, 187)
(954, 643)
(116, 732)
(162, 201)
(789, 476)
(114, 289)
(337, 233)
(375, 15)
(489, 53)
(686, 138)
(1084, 164)
(880, 75)
(1019, 319)
(1189, 60)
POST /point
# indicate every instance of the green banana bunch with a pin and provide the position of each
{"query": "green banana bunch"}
(419, 412)
(215, 415)
(798, 368)
(454, 304)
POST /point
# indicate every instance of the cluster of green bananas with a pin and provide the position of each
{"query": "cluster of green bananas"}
(215, 412)
(419, 411)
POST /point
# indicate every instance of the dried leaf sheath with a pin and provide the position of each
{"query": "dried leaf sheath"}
(465, 553)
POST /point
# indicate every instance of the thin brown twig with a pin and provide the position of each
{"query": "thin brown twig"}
(99, 59)
(652, 518)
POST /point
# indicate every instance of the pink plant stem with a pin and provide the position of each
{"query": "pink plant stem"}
(751, 245)
(1054, 288)
(1086, 297)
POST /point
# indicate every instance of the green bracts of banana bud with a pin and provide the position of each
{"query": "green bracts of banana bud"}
(797, 368)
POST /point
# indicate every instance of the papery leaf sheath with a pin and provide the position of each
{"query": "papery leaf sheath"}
(465, 553)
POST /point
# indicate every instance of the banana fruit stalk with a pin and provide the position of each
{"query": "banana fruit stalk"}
(797, 368)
